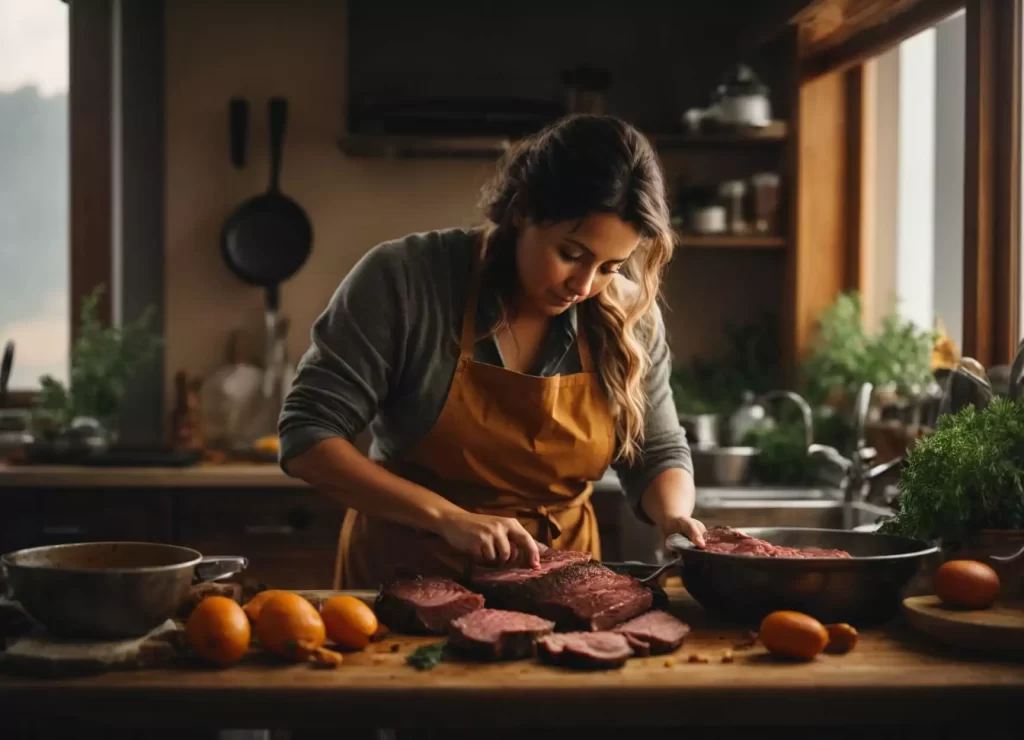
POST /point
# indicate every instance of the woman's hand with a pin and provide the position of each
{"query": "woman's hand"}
(692, 529)
(494, 540)
(669, 501)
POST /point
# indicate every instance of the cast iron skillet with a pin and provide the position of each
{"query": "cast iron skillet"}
(269, 236)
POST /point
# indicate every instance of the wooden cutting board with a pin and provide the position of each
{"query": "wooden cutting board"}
(997, 631)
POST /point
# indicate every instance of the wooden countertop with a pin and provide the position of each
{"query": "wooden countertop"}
(203, 475)
(893, 676)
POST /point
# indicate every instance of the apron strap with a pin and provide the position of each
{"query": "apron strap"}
(583, 345)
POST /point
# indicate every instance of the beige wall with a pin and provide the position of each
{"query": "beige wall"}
(258, 49)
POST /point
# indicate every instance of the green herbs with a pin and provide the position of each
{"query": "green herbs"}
(782, 457)
(103, 361)
(844, 355)
(966, 477)
(426, 657)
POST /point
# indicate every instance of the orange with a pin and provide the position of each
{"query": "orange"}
(290, 626)
(350, 623)
(255, 605)
(218, 631)
(966, 584)
(793, 634)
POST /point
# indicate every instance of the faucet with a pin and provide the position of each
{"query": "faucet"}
(805, 410)
(856, 469)
(968, 385)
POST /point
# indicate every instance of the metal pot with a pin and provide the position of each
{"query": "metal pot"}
(108, 590)
(723, 466)
(866, 588)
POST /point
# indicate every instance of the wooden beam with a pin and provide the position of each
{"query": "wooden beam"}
(90, 104)
(992, 181)
(864, 30)
(855, 128)
(819, 264)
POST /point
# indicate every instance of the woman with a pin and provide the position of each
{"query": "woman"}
(503, 370)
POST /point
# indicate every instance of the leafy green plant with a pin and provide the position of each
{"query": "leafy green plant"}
(782, 457)
(103, 361)
(966, 477)
(844, 355)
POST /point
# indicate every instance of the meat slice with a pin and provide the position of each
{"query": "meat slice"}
(424, 605)
(581, 596)
(658, 630)
(590, 650)
(733, 542)
(496, 634)
(550, 560)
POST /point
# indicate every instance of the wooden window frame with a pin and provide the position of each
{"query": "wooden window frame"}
(90, 177)
(992, 181)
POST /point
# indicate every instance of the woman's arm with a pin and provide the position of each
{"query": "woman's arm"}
(337, 468)
(668, 502)
(660, 484)
(352, 366)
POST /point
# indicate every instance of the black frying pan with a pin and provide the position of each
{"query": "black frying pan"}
(268, 238)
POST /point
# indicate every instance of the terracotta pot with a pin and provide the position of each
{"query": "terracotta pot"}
(983, 545)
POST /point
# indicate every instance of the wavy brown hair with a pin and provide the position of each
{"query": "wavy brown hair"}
(581, 165)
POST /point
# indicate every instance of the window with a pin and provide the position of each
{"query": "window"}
(917, 234)
(34, 253)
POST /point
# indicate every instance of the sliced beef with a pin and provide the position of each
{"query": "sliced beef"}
(418, 606)
(550, 560)
(496, 634)
(585, 649)
(580, 596)
(732, 542)
(658, 630)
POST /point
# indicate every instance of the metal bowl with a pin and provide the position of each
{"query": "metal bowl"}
(723, 466)
(864, 589)
(108, 590)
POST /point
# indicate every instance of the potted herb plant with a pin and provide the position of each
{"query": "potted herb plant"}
(104, 359)
(964, 488)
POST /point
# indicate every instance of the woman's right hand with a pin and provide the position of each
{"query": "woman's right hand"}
(493, 540)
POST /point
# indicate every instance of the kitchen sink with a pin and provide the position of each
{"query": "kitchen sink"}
(716, 494)
(819, 508)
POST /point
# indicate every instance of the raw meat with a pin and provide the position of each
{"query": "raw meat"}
(732, 542)
(425, 605)
(585, 649)
(658, 632)
(550, 560)
(495, 634)
(580, 596)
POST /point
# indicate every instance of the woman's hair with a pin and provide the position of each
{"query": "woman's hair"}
(577, 166)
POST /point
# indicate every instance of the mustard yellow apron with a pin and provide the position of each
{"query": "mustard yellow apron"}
(505, 444)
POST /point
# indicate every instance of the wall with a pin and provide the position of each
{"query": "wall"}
(220, 49)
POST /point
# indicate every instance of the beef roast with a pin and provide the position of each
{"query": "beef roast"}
(425, 605)
(550, 560)
(733, 542)
(580, 596)
(658, 632)
(495, 634)
(585, 649)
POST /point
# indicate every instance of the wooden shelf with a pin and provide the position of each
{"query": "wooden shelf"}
(729, 241)
(490, 147)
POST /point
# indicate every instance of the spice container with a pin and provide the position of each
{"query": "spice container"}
(764, 192)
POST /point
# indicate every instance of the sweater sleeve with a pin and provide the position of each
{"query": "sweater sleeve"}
(354, 359)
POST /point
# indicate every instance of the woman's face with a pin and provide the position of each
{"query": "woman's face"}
(567, 262)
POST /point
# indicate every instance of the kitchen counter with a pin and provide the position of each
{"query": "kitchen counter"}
(893, 676)
(203, 475)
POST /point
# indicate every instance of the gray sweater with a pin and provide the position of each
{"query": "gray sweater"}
(384, 353)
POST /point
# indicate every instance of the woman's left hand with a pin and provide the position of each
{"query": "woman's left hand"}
(689, 527)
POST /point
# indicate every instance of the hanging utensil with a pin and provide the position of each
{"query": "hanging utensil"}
(5, 372)
(269, 237)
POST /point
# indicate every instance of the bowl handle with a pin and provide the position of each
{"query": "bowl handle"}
(214, 568)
